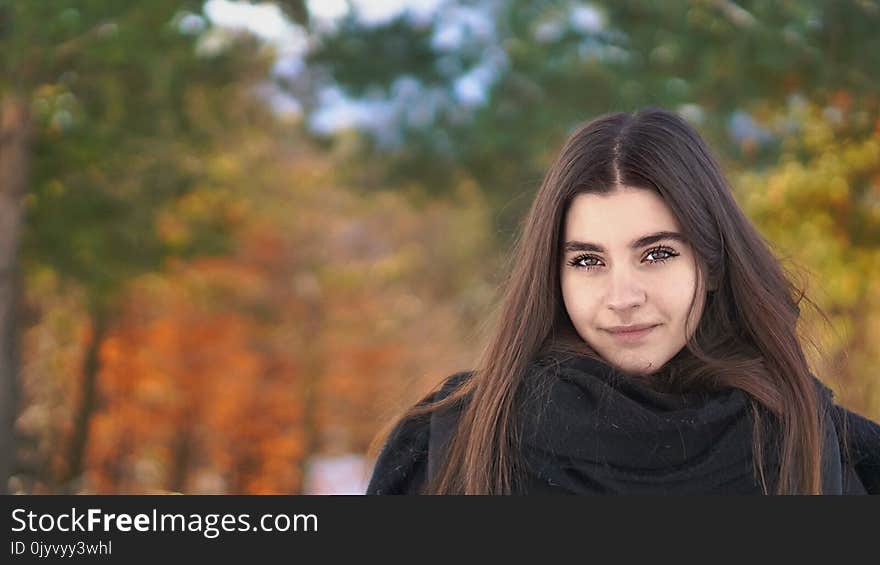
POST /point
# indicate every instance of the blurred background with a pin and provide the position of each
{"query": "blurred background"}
(237, 237)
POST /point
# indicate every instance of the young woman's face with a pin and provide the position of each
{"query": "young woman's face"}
(628, 278)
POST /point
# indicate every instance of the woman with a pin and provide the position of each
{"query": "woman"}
(646, 343)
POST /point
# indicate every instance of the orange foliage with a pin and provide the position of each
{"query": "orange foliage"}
(194, 390)
(336, 310)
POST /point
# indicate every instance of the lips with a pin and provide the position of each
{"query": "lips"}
(630, 328)
(632, 333)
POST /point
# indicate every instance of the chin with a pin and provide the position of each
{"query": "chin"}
(638, 370)
(636, 366)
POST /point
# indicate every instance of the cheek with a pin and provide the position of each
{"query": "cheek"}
(680, 296)
(579, 299)
(680, 302)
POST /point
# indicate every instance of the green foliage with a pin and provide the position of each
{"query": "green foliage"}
(393, 50)
(124, 105)
(718, 57)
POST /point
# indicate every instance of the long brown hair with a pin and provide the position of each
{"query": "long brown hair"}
(746, 338)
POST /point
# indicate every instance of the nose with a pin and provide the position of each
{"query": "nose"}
(626, 292)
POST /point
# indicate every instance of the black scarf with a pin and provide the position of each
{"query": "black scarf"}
(589, 429)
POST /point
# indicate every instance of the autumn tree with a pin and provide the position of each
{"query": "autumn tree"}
(107, 106)
(332, 310)
(819, 207)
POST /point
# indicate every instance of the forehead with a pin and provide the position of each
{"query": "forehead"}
(618, 216)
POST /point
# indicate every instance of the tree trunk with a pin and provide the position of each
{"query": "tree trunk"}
(15, 128)
(182, 455)
(310, 380)
(87, 404)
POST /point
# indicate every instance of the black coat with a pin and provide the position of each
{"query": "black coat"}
(414, 449)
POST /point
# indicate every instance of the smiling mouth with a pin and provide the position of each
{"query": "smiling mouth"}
(630, 334)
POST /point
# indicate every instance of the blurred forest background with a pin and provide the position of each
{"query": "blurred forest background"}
(236, 237)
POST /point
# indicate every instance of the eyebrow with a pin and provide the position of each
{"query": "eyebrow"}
(640, 242)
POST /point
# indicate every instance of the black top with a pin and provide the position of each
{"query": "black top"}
(587, 429)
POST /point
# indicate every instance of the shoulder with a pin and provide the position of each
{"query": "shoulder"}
(451, 384)
(858, 439)
(402, 465)
(860, 445)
